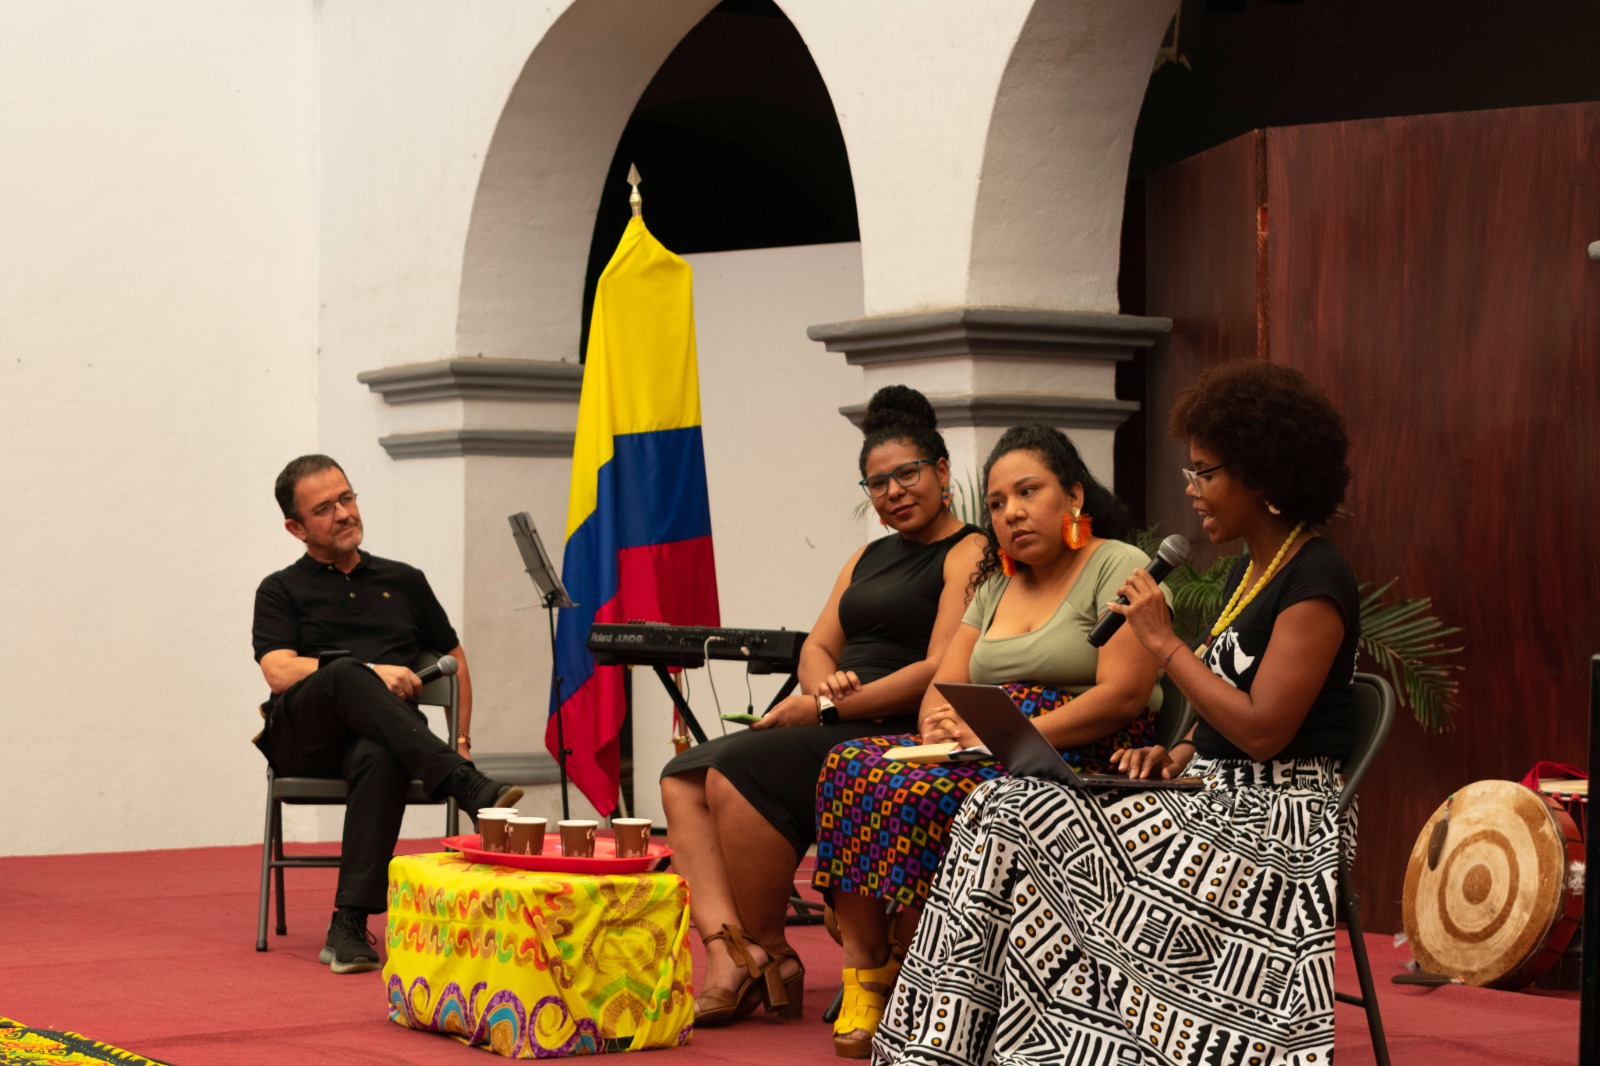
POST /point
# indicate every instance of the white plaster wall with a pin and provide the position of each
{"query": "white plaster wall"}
(219, 214)
(157, 347)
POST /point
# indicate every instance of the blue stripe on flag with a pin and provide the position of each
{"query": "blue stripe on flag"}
(652, 491)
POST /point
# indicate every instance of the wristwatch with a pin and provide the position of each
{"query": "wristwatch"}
(827, 713)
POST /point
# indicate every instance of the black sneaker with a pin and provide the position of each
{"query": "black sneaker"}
(474, 791)
(350, 947)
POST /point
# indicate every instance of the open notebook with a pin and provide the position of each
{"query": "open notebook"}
(1023, 750)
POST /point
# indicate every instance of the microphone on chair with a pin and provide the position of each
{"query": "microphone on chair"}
(447, 665)
(1174, 551)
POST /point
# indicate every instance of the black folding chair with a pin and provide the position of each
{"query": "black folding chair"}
(440, 692)
(1374, 715)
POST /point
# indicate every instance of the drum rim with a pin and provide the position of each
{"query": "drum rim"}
(1559, 902)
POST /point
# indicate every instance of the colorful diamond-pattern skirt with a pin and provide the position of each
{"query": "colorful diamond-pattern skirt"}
(882, 824)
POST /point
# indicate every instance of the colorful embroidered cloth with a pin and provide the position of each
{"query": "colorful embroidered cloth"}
(537, 965)
(22, 1046)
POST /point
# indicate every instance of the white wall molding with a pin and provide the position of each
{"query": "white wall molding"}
(988, 332)
(476, 379)
(435, 444)
(1065, 412)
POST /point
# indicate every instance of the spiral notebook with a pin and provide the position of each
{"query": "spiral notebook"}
(1023, 750)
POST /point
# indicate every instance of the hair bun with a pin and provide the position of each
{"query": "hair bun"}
(898, 405)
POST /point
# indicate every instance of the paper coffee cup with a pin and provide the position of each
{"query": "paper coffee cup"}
(632, 836)
(492, 827)
(577, 837)
(525, 836)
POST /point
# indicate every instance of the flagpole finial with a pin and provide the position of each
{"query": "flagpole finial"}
(635, 201)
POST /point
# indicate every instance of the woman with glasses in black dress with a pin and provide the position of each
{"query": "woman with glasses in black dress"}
(741, 809)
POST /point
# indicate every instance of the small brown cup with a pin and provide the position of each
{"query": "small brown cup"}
(525, 836)
(492, 827)
(632, 836)
(577, 837)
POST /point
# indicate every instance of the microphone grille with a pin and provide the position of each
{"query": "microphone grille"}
(448, 666)
(1175, 549)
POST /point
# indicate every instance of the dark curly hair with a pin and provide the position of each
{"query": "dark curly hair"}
(1277, 433)
(1111, 517)
(899, 412)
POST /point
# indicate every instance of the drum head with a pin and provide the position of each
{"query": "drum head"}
(1483, 910)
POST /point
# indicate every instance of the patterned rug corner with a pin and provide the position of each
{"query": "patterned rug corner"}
(23, 1046)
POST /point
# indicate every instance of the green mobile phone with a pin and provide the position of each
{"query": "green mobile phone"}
(741, 718)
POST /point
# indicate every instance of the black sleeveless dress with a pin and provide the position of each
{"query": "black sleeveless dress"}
(887, 613)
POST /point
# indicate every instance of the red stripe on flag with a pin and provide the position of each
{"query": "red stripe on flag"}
(658, 581)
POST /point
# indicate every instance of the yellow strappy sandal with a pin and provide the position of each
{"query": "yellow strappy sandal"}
(866, 993)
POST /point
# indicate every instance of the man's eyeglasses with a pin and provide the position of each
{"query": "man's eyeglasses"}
(905, 475)
(1193, 477)
(326, 510)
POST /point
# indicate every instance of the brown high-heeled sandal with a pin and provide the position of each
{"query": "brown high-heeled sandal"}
(720, 1006)
(786, 995)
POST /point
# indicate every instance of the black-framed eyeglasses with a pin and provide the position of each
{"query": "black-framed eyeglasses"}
(1193, 476)
(326, 510)
(905, 475)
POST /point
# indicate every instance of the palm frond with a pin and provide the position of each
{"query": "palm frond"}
(1407, 640)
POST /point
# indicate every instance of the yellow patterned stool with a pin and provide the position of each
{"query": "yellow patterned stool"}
(538, 965)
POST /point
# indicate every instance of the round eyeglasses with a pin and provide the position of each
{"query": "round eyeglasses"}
(905, 475)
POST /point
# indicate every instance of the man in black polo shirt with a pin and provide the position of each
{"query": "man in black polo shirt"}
(353, 718)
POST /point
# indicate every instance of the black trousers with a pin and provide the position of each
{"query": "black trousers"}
(342, 721)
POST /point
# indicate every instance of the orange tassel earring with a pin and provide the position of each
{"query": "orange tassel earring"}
(1077, 529)
(1008, 565)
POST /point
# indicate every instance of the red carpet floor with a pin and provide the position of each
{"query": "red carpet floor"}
(155, 952)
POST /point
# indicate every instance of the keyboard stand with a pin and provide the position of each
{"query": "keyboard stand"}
(689, 720)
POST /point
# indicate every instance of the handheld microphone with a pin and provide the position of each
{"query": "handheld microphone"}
(1174, 551)
(447, 665)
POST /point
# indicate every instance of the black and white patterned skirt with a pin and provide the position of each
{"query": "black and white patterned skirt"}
(1121, 928)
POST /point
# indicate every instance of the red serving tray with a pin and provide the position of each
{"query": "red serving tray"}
(604, 861)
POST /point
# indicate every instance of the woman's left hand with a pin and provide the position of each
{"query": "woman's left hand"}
(1146, 612)
(943, 724)
(839, 684)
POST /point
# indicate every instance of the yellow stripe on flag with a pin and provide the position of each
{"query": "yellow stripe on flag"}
(641, 372)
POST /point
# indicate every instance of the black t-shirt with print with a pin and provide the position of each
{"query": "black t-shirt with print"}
(1317, 570)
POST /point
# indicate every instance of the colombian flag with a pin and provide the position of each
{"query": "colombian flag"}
(638, 519)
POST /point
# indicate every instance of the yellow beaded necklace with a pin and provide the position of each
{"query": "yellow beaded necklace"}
(1236, 606)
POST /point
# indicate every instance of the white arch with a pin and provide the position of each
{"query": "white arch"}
(1047, 225)
(532, 218)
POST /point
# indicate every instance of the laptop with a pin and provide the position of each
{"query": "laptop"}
(1024, 751)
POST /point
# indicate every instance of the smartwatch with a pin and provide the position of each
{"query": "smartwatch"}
(827, 713)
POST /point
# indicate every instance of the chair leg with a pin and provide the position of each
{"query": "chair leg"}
(277, 851)
(1358, 949)
(266, 872)
(831, 1012)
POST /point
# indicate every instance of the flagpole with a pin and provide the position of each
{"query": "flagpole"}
(635, 201)
(562, 751)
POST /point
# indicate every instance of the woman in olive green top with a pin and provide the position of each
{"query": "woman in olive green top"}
(1044, 579)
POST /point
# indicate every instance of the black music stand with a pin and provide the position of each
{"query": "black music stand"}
(552, 594)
